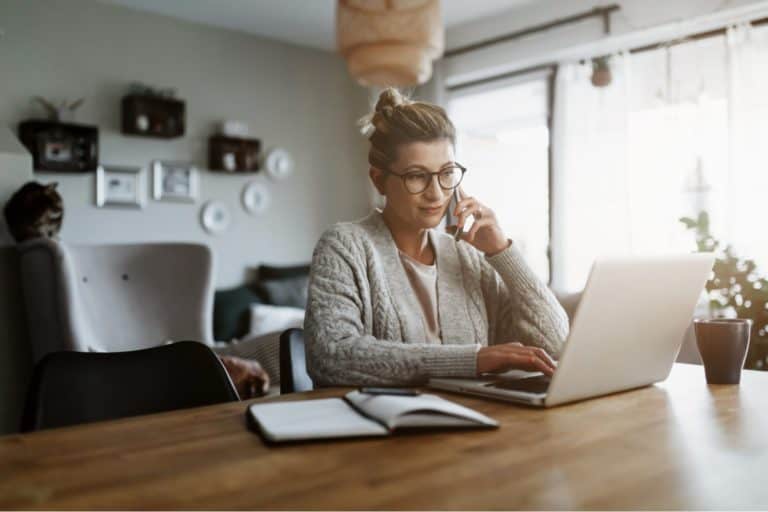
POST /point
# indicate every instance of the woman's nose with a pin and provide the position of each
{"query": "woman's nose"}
(434, 190)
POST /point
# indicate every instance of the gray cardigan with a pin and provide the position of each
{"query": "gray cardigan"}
(363, 326)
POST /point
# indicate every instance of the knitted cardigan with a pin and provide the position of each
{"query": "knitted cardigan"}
(363, 326)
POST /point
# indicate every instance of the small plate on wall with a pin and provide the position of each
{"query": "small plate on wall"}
(279, 164)
(215, 217)
(256, 197)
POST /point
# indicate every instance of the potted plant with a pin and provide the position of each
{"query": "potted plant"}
(737, 286)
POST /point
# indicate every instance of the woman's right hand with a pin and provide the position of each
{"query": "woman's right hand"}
(514, 356)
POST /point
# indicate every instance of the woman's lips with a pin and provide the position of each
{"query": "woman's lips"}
(432, 211)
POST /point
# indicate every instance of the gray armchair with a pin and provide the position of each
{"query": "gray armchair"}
(106, 298)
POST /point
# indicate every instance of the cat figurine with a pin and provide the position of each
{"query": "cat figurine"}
(34, 211)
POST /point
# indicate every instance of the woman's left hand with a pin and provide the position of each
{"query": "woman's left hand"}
(485, 234)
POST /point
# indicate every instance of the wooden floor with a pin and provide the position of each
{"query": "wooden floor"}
(680, 444)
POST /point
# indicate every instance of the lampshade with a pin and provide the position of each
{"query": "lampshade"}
(389, 42)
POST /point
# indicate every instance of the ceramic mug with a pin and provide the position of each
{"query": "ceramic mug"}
(723, 344)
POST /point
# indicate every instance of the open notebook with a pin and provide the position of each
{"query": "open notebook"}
(358, 415)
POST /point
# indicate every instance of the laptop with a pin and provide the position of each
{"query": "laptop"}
(626, 334)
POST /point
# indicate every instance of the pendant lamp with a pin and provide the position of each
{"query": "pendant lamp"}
(389, 42)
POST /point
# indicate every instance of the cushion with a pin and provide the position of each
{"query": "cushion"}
(289, 291)
(266, 319)
(271, 272)
(231, 312)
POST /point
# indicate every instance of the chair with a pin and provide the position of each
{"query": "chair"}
(293, 363)
(68, 388)
(105, 298)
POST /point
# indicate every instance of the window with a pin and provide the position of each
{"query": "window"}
(503, 140)
(676, 133)
(679, 130)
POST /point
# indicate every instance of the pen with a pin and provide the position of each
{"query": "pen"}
(390, 391)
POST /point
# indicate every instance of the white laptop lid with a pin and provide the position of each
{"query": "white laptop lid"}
(629, 325)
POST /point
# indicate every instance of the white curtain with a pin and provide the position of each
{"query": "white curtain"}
(748, 125)
(590, 197)
(680, 129)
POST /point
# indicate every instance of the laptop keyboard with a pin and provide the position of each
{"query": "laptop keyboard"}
(538, 384)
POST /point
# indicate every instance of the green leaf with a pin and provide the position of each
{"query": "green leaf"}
(704, 221)
(689, 222)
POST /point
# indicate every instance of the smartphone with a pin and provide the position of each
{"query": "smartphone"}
(450, 218)
(390, 391)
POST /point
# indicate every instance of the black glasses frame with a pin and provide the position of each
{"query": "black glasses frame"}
(431, 176)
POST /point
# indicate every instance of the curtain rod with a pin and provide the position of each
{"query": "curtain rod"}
(640, 49)
(604, 12)
(693, 37)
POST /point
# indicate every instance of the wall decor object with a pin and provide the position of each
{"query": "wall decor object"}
(61, 147)
(279, 163)
(153, 112)
(233, 154)
(232, 128)
(120, 186)
(215, 217)
(61, 111)
(389, 43)
(256, 197)
(601, 72)
(174, 181)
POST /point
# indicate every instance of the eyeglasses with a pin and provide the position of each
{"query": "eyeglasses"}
(417, 182)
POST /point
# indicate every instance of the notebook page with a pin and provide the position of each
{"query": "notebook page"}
(313, 419)
(390, 409)
(421, 419)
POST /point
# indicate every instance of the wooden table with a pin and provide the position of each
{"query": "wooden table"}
(680, 444)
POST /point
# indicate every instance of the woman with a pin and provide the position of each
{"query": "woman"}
(392, 301)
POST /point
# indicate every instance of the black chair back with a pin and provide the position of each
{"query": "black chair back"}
(293, 363)
(68, 388)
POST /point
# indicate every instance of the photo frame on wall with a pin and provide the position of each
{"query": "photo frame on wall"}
(118, 186)
(174, 181)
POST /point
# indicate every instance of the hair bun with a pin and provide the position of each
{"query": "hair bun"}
(388, 100)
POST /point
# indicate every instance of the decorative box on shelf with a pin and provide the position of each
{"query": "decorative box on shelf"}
(233, 154)
(153, 116)
(61, 147)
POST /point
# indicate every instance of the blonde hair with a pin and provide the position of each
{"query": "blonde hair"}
(397, 120)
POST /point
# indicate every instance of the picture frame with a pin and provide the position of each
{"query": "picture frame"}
(119, 186)
(174, 181)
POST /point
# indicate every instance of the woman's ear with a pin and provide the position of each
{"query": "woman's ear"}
(377, 178)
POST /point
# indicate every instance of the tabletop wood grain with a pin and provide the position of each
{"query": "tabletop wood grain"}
(678, 444)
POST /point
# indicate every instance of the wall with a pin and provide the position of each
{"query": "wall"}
(293, 97)
(637, 23)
